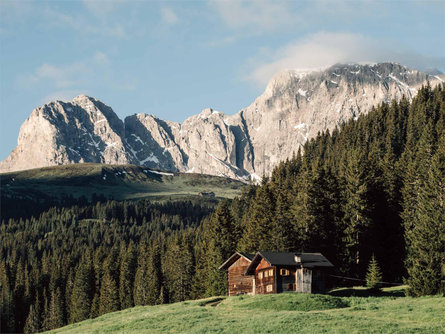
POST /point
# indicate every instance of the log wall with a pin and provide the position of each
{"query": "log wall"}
(237, 281)
(265, 283)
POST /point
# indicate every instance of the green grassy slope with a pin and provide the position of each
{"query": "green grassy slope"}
(283, 313)
(118, 182)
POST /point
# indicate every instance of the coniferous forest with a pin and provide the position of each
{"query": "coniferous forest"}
(373, 188)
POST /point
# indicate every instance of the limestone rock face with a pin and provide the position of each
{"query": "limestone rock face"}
(294, 107)
(83, 130)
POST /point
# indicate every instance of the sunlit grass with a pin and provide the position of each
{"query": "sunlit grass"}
(284, 313)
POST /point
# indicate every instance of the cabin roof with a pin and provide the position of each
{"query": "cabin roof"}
(307, 260)
(235, 257)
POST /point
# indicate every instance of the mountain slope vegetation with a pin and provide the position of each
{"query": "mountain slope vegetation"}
(36, 190)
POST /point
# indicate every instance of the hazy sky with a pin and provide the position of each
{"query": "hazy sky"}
(175, 58)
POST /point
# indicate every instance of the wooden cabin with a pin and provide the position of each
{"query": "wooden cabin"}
(236, 266)
(273, 272)
(281, 272)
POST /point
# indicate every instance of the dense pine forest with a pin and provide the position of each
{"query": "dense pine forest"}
(374, 187)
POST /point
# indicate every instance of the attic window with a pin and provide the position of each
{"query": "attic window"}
(260, 275)
(266, 273)
(284, 272)
(270, 272)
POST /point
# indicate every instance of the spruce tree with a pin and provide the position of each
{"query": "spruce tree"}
(82, 293)
(126, 275)
(374, 275)
(141, 280)
(221, 236)
(33, 321)
(302, 218)
(257, 230)
(356, 208)
(109, 288)
(54, 317)
(154, 275)
(426, 235)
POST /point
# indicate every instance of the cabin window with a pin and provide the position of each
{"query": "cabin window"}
(266, 273)
(270, 272)
(269, 288)
(260, 275)
(284, 272)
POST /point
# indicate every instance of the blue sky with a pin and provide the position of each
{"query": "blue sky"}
(175, 58)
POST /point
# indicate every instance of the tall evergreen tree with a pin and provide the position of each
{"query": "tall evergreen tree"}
(356, 209)
(258, 227)
(154, 274)
(33, 321)
(82, 293)
(426, 235)
(141, 280)
(54, 317)
(126, 276)
(109, 288)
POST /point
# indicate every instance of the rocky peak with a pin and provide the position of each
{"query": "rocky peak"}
(295, 106)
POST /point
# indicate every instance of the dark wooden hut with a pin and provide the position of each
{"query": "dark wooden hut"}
(238, 282)
(280, 272)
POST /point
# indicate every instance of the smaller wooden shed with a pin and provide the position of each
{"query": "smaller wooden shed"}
(236, 266)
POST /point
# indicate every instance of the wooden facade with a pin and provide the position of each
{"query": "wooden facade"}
(287, 272)
(237, 282)
(265, 278)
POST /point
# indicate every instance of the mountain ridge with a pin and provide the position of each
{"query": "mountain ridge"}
(294, 107)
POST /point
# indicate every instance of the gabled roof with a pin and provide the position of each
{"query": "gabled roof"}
(306, 260)
(234, 258)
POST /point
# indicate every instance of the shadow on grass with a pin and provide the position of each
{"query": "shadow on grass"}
(351, 292)
(212, 302)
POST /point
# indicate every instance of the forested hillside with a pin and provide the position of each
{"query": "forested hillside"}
(74, 263)
(374, 186)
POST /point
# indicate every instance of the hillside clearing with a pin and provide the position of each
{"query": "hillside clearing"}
(283, 313)
(118, 182)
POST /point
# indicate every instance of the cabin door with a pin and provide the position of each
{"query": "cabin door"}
(307, 280)
(303, 280)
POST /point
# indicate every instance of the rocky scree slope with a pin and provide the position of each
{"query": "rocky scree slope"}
(294, 107)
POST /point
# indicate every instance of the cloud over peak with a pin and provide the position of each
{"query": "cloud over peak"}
(324, 49)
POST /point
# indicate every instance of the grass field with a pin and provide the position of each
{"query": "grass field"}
(342, 311)
(119, 182)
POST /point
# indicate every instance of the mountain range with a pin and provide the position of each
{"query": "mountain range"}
(295, 106)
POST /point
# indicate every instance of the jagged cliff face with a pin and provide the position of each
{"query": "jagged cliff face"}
(294, 108)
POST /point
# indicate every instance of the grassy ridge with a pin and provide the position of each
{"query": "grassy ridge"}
(283, 313)
(119, 182)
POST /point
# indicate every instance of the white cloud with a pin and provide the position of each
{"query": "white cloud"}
(66, 76)
(257, 15)
(101, 58)
(169, 16)
(65, 79)
(324, 49)
(59, 76)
